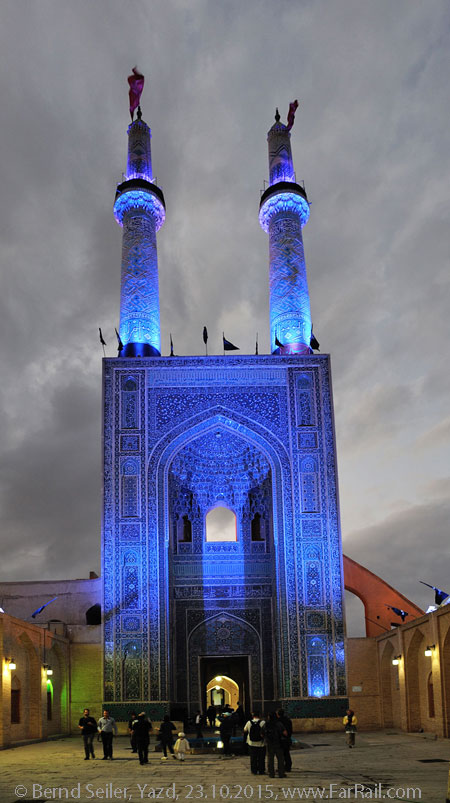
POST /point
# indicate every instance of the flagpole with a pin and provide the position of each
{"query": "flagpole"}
(223, 343)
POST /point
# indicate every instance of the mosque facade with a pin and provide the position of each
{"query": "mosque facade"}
(221, 543)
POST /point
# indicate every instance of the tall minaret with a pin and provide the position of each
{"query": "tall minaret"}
(284, 209)
(140, 208)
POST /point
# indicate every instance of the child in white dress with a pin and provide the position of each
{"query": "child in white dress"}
(181, 746)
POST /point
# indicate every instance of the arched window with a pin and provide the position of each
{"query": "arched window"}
(94, 615)
(221, 525)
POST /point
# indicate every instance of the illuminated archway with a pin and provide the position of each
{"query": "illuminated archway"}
(222, 690)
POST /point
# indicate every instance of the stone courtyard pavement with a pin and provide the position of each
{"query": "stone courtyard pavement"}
(383, 766)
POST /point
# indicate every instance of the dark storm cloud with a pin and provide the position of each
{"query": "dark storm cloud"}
(371, 140)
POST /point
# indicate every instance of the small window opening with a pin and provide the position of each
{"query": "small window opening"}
(94, 615)
(186, 530)
(257, 534)
(221, 525)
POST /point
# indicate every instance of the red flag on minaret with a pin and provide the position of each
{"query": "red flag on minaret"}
(136, 82)
(291, 114)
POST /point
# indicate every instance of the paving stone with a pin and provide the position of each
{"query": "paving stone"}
(379, 764)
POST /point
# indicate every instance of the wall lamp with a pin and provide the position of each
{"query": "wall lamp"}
(11, 663)
(48, 669)
(396, 660)
(429, 650)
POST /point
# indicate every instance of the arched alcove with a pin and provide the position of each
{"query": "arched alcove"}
(56, 685)
(132, 671)
(386, 685)
(413, 660)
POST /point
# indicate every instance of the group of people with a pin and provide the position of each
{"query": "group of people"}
(139, 728)
(105, 727)
(270, 736)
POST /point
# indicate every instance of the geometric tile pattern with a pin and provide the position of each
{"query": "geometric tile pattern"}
(275, 594)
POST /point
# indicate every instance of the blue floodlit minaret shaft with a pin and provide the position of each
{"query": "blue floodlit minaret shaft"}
(140, 208)
(284, 209)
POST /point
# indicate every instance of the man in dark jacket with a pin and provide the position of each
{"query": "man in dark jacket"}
(226, 729)
(141, 729)
(132, 719)
(211, 714)
(165, 734)
(286, 740)
(274, 732)
(88, 728)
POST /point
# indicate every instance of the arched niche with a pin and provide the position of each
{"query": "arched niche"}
(387, 671)
(414, 665)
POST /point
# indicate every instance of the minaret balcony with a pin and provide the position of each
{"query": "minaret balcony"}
(140, 194)
(284, 196)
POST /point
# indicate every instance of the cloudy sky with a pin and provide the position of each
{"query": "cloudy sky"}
(371, 141)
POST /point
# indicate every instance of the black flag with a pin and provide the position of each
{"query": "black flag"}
(398, 612)
(33, 615)
(171, 345)
(277, 343)
(439, 595)
(313, 342)
(205, 335)
(119, 342)
(256, 345)
(102, 341)
(227, 346)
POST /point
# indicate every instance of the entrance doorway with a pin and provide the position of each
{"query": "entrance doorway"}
(221, 691)
(234, 683)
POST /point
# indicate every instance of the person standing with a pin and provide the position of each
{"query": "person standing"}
(211, 714)
(273, 734)
(88, 728)
(286, 741)
(131, 722)
(107, 728)
(226, 729)
(350, 723)
(181, 746)
(141, 730)
(165, 732)
(198, 725)
(254, 729)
